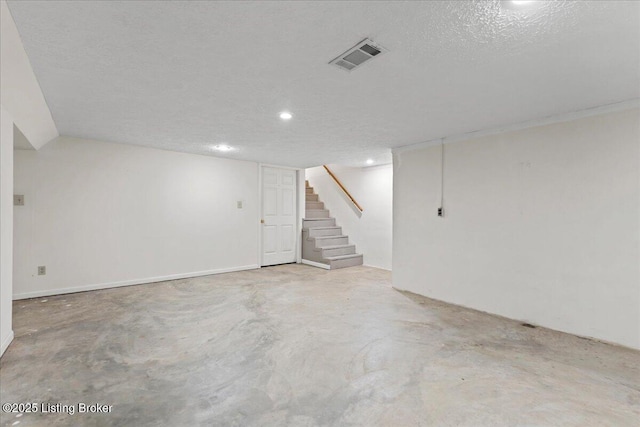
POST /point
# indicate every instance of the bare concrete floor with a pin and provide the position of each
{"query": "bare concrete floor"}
(300, 346)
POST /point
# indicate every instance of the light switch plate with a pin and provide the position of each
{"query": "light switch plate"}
(18, 200)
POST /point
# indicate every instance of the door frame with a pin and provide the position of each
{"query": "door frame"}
(300, 207)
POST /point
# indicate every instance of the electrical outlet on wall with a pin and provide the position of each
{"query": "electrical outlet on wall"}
(42, 270)
(18, 200)
(441, 212)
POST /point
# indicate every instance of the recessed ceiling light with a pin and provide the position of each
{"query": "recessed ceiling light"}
(223, 147)
(285, 115)
(369, 161)
(519, 5)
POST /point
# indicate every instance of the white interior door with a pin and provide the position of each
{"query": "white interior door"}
(279, 215)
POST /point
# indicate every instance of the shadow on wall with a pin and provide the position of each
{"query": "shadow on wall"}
(349, 203)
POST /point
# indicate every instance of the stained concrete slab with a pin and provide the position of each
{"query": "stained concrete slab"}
(298, 346)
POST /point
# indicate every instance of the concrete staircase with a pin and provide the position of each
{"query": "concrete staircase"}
(322, 240)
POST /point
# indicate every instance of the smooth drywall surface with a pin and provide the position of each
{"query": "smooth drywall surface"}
(20, 92)
(372, 187)
(98, 214)
(540, 225)
(6, 227)
(20, 142)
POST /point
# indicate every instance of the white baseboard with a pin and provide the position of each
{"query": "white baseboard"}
(5, 343)
(50, 292)
(316, 264)
(375, 266)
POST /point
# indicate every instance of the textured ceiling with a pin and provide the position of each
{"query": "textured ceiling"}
(188, 75)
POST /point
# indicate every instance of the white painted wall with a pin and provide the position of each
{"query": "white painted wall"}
(372, 187)
(541, 225)
(24, 111)
(6, 227)
(19, 89)
(99, 214)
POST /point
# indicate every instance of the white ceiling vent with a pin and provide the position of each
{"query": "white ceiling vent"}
(358, 55)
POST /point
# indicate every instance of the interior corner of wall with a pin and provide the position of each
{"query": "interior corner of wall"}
(396, 159)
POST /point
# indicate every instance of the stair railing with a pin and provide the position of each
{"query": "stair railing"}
(342, 187)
